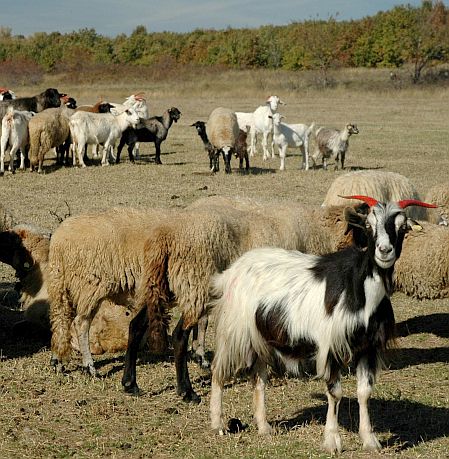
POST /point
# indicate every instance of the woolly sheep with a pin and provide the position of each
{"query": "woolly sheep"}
(184, 251)
(333, 143)
(47, 129)
(93, 257)
(382, 185)
(223, 130)
(439, 194)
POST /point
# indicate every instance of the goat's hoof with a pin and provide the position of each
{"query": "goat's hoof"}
(332, 443)
(191, 397)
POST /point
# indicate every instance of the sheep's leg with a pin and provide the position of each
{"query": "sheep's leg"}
(305, 155)
(216, 406)
(260, 382)
(252, 147)
(137, 328)
(366, 371)
(106, 152)
(4, 143)
(136, 150)
(82, 325)
(332, 439)
(343, 160)
(80, 149)
(157, 145)
(22, 159)
(180, 338)
(282, 153)
(198, 343)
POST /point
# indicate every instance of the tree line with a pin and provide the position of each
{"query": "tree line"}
(417, 36)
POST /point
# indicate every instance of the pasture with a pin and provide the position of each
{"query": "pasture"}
(43, 414)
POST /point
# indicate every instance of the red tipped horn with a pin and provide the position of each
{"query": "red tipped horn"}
(414, 202)
(370, 201)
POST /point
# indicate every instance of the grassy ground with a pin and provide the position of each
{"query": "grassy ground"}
(46, 415)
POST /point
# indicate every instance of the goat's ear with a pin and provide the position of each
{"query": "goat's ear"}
(354, 218)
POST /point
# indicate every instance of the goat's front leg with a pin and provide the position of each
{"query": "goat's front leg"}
(366, 372)
(332, 439)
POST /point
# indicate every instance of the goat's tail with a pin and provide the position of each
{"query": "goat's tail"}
(154, 292)
(61, 309)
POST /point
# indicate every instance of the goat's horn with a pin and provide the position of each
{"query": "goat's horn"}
(370, 201)
(415, 202)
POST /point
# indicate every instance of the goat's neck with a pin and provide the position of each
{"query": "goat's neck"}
(345, 135)
(167, 120)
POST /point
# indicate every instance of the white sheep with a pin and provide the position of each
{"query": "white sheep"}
(333, 143)
(104, 128)
(275, 307)
(14, 134)
(260, 122)
(223, 130)
(48, 129)
(381, 185)
(291, 135)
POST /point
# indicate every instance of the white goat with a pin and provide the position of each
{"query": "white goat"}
(280, 307)
(14, 133)
(260, 122)
(94, 128)
(333, 143)
(291, 135)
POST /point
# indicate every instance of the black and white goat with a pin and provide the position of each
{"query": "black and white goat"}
(275, 306)
(212, 152)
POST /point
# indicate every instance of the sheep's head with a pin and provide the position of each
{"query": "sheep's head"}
(174, 113)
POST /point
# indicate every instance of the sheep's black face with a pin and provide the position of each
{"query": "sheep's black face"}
(175, 114)
(52, 97)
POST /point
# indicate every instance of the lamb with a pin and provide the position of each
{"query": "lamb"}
(291, 135)
(48, 129)
(275, 307)
(439, 194)
(212, 153)
(104, 128)
(223, 130)
(47, 99)
(14, 134)
(381, 185)
(241, 149)
(25, 248)
(184, 251)
(260, 122)
(155, 129)
(94, 258)
(332, 143)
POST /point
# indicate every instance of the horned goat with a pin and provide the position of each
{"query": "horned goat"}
(277, 307)
(332, 143)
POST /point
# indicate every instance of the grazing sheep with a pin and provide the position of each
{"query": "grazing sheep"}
(184, 251)
(154, 129)
(423, 269)
(94, 258)
(14, 134)
(25, 248)
(223, 130)
(381, 185)
(439, 194)
(50, 98)
(332, 143)
(99, 128)
(48, 129)
(291, 135)
(275, 307)
(214, 163)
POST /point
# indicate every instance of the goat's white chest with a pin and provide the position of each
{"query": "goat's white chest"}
(374, 292)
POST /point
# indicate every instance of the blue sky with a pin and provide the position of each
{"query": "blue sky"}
(112, 17)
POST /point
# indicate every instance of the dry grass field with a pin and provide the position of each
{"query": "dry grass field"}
(43, 414)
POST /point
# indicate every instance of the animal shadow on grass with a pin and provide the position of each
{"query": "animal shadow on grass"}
(408, 422)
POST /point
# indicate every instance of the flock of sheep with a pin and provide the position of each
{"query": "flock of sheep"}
(106, 281)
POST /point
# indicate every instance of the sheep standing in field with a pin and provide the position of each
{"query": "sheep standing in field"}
(154, 129)
(275, 307)
(381, 185)
(214, 158)
(439, 194)
(48, 129)
(291, 135)
(185, 250)
(15, 135)
(332, 143)
(223, 131)
(94, 258)
(99, 128)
